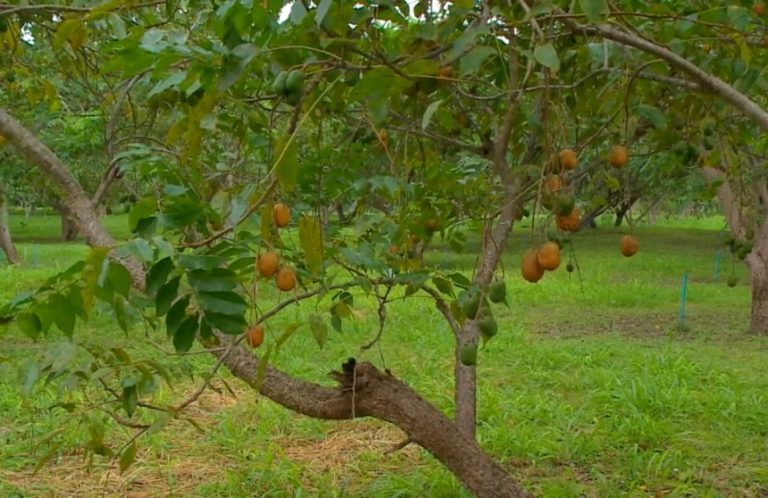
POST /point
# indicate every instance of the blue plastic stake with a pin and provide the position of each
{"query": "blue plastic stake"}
(718, 257)
(683, 298)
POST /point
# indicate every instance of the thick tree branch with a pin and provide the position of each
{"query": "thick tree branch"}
(367, 392)
(708, 81)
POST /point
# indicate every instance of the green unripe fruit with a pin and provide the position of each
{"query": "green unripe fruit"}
(470, 307)
(564, 204)
(294, 82)
(488, 326)
(743, 250)
(569, 268)
(708, 127)
(293, 98)
(497, 292)
(732, 281)
(709, 143)
(468, 354)
(278, 86)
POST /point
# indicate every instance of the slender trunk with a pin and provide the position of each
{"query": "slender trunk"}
(6, 243)
(68, 228)
(465, 389)
(620, 214)
(757, 261)
(367, 392)
(759, 314)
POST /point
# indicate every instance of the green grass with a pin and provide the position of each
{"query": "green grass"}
(588, 390)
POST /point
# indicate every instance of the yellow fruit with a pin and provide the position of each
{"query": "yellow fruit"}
(618, 156)
(285, 279)
(530, 267)
(570, 223)
(267, 264)
(548, 256)
(281, 214)
(568, 159)
(255, 336)
(628, 246)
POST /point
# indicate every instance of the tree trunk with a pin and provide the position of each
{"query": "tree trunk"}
(367, 392)
(6, 243)
(757, 261)
(759, 314)
(68, 228)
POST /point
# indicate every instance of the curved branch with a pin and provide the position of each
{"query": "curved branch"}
(708, 81)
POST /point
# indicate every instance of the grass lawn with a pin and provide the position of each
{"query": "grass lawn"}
(589, 389)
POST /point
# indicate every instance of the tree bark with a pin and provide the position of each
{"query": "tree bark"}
(6, 243)
(365, 391)
(757, 261)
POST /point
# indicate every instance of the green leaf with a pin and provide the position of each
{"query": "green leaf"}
(127, 457)
(119, 278)
(298, 12)
(130, 399)
(175, 315)
(145, 208)
(158, 274)
(595, 10)
(470, 63)
(546, 55)
(184, 337)
(653, 115)
(319, 329)
(63, 313)
(200, 262)
(427, 117)
(224, 303)
(166, 295)
(30, 325)
(443, 284)
(215, 279)
(118, 305)
(160, 422)
(322, 9)
(311, 240)
(91, 273)
(286, 162)
(229, 324)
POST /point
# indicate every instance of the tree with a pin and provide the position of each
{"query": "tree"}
(460, 113)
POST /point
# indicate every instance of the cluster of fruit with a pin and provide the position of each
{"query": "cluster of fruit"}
(567, 215)
(470, 303)
(290, 85)
(268, 265)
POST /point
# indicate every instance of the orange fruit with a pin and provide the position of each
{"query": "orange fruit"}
(759, 8)
(255, 336)
(445, 74)
(618, 156)
(570, 223)
(267, 264)
(281, 214)
(548, 256)
(432, 226)
(393, 249)
(568, 159)
(628, 246)
(285, 278)
(530, 267)
(552, 183)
